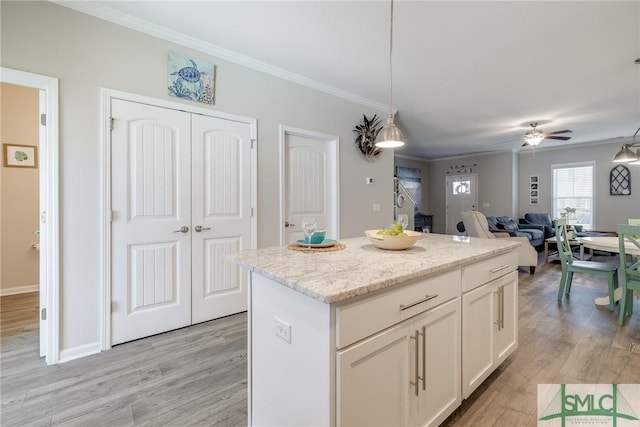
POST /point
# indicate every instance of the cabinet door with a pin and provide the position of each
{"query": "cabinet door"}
(507, 334)
(439, 364)
(478, 315)
(373, 380)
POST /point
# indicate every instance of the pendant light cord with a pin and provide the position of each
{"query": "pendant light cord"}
(391, 64)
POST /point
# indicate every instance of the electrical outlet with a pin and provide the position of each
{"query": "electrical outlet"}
(377, 207)
(283, 330)
(368, 180)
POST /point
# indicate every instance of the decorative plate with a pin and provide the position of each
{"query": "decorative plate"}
(324, 244)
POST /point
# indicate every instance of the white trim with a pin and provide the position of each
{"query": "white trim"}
(105, 183)
(334, 150)
(79, 352)
(124, 20)
(19, 290)
(49, 235)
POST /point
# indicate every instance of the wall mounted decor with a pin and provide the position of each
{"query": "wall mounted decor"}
(534, 193)
(620, 181)
(20, 156)
(366, 132)
(191, 78)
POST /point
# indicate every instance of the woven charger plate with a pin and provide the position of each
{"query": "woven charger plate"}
(337, 247)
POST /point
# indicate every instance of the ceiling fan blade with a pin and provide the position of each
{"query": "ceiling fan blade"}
(561, 138)
(558, 131)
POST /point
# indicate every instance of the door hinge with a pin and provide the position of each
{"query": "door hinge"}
(110, 216)
(43, 119)
(252, 142)
(110, 123)
(251, 212)
(43, 313)
(114, 306)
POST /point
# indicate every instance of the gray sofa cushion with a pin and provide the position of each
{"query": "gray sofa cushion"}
(508, 225)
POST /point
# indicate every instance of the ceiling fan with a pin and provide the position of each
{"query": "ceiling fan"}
(535, 136)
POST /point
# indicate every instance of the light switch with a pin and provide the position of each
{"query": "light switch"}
(377, 207)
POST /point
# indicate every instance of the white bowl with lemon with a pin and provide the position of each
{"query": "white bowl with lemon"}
(393, 238)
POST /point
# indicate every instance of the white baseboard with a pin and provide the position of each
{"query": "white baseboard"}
(19, 290)
(78, 352)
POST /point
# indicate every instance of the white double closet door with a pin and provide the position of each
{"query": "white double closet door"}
(181, 199)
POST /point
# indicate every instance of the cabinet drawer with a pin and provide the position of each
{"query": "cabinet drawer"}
(482, 272)
(359, 319)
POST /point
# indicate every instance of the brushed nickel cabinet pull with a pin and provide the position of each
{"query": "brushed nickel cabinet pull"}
(424, 357)
(416, 377)
(499, 268)
(420, 301)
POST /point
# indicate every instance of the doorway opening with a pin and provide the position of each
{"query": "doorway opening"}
(45, 238)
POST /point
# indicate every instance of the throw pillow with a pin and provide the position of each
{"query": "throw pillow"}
(509, 226)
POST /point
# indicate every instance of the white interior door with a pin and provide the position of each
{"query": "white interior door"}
(221, 216)
(310, 180)
(462, 195)
(151, 211)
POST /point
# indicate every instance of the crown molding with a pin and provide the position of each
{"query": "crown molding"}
(124, 20)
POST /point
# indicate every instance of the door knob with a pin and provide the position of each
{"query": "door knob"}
(287, 224)
(200, 228)
(183, 229)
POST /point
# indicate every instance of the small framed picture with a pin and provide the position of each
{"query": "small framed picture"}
(534, 193)
(20, 156)
(533, 201)
(534, 186)
(533, 179)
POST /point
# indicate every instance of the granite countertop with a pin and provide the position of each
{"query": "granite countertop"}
(361, 268)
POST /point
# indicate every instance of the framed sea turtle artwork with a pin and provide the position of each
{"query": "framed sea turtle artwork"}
(191, 78)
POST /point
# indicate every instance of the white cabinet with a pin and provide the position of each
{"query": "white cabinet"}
(372, 386)
(439, 394)
(404, 356)
(406, 375)
(489, 329)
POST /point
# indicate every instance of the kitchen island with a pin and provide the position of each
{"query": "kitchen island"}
(364, 336)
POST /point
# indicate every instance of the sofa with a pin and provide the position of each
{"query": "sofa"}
(535, 233)
(544, 219)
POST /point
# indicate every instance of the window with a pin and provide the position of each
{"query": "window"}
(573, 193)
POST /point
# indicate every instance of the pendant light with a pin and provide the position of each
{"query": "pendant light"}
(390, 136)
(626, 155)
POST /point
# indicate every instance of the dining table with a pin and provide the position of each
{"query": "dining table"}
(608, 244)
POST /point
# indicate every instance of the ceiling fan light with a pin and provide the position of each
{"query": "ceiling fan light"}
(533, 137)
(625, 155)
(390, 136)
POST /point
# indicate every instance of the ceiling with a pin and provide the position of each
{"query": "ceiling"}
(468, 77)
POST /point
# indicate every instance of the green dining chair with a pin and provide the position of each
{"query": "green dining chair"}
(570, 266)
(629, 235)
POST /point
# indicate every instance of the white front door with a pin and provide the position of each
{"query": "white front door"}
(462, 195)
(181, 198)
(310, 182)
(221, 215)
(151, 210)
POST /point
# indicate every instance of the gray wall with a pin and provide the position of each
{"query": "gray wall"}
(86, 54)
(609, 210)
(496, 186)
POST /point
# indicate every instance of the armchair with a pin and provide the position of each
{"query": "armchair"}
(477, 226)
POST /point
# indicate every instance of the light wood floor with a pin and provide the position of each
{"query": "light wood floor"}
(197, 376)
